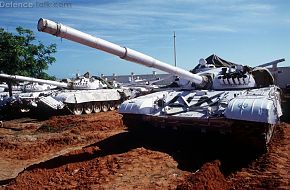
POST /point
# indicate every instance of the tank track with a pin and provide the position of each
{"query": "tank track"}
(251, 135)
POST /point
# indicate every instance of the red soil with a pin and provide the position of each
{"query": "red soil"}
(96, 152)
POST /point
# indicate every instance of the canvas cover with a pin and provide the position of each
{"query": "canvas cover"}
(216, 61)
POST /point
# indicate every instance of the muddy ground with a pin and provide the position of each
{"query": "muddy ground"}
(97, 151)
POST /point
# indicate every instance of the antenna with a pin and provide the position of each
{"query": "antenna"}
(174, 49)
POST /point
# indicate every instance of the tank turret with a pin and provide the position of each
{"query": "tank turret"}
(208, 77)
(84, 82)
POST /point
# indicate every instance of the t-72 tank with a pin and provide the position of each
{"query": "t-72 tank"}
(229, 99)
(83, 94)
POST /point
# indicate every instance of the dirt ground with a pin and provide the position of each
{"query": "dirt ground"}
(97, 151)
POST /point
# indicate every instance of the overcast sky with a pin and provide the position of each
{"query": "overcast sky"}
(242, 31)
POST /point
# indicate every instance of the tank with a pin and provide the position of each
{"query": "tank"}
(229, 99)
(84, 94)
(141, 86)
(26, 94)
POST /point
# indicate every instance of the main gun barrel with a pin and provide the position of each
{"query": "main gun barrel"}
(63, 31)
(275, 62)
(30, 79)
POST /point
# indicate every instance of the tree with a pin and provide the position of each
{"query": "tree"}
(19, 55)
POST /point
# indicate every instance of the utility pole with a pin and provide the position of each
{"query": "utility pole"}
(174, 49)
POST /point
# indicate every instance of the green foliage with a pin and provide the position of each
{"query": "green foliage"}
(20, 56)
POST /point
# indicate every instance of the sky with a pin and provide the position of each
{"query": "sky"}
(250, 32)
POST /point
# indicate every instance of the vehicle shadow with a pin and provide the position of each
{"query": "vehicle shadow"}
(286, 110)
(190, 151)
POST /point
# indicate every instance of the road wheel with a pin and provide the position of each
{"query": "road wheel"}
(24, 110)
(97, 107)
(77, 109)
(88, 108)
(112, 106)
(105, 106)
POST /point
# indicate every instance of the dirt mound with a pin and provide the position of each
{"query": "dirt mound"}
(92, 171)
(209, 177)
(100, 121)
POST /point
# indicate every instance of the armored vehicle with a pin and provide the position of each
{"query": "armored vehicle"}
(226, 98)
(83, 94)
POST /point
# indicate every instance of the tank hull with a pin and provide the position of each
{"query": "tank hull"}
(247, 116)
(85, 101)
(75, 101)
